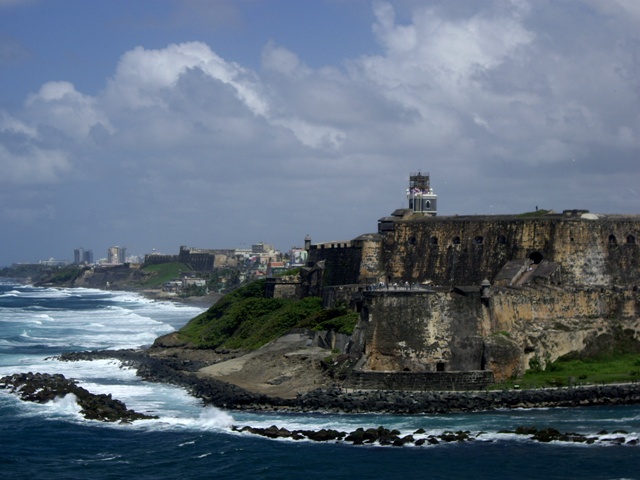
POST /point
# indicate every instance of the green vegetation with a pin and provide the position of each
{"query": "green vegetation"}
(164, 272)
(537, 213)
(244, 319)
(65, 275)
(566, 371)
(39, 273)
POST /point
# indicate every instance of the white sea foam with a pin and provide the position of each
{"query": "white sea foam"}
(67, 405)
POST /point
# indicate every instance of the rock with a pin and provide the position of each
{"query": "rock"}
(44, 387)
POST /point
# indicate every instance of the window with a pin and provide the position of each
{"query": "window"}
(612, 240)
(479, 240)
(631, 239)
(502, 240)
(434, 240)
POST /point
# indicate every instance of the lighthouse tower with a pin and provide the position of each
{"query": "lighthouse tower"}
(420, 195)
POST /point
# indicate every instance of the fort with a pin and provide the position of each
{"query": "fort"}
(477, 299)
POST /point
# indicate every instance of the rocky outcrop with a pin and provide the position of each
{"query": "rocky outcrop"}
(385, 437)
(43, 388)
(114, 276)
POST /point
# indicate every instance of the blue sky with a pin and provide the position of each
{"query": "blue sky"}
(215, 124)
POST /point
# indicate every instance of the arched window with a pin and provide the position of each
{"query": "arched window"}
(456, 240)
(631, 239)
(412, 241)
(479, 240)
(428, 203)
(434, 240)
(612, 240)
(502, 240)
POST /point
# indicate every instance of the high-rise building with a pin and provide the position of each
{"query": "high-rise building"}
(116, 254)
(82, 256)
(78, 256)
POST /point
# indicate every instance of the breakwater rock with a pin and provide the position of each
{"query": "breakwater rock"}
(385, 437)
(224, 395)
(44, 387)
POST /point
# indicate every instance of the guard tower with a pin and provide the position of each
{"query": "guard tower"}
(421, 196)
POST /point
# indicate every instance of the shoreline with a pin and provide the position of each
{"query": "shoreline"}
(211, 391)
(338, 400)
(204, 302)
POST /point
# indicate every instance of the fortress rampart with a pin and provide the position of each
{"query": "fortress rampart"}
(464, 294)
(482, 293)
(466, 250)
(590, 250)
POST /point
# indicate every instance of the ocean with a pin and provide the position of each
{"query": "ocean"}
(189, 441)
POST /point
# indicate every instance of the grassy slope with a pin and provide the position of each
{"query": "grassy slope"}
(621, 367)
(244, 319)
(159, 274)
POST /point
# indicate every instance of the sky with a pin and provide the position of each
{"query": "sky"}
(152, 124)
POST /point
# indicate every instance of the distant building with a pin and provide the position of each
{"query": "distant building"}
(297, 257)
(52, 262)
(262, 248)
(275, 268)
(116, 255)
(82, 256)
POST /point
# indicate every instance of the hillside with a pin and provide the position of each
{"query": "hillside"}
(246, 320)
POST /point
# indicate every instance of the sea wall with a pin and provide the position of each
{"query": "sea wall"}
(419, 381)
(417, 330)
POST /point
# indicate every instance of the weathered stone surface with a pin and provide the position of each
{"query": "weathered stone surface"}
(503, 357)
(573, 278)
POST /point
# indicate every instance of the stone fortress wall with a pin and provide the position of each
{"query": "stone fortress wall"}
(553, 284)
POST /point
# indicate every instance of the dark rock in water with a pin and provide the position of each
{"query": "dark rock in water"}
(526, 430)
(547, 435)
(385, 437)
(44, 387)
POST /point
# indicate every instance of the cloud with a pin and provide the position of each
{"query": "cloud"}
(508, 105)
(22, 160)
(60, 106)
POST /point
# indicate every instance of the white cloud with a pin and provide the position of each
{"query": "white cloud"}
(502, 108)
(32, 165)
(283, 61)
(144, 76)
(60, 106)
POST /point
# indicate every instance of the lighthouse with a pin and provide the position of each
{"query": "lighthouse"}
(421, 197)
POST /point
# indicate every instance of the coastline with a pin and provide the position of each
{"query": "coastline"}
(205, 301)
(335, 399)
(183, 371)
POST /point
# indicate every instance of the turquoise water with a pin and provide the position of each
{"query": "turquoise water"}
(53, 441)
